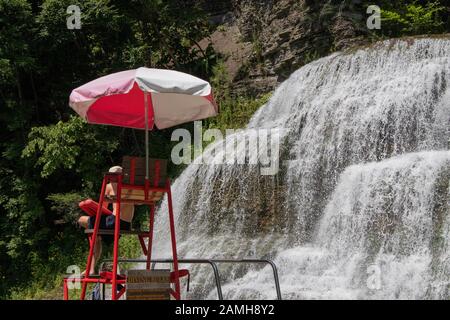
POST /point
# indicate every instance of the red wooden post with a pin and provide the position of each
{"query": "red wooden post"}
(94, 237)
(142, 242)
(66, 290)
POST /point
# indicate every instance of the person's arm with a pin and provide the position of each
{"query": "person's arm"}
(108, 191)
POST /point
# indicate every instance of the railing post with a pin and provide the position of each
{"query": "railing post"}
(213, 264)
(116, 238)
(174, 241)
(217, 277)
(275, 276)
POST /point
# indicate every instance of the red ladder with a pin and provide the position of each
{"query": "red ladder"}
(140, 195)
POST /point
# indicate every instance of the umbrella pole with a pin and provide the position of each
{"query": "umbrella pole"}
(146, 134)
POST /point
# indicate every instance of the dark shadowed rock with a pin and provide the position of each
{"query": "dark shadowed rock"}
(280, 36)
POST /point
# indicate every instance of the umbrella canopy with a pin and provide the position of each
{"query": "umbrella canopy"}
(142, 98)
(119, 99)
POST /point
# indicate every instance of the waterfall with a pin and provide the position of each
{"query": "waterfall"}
(360, 205)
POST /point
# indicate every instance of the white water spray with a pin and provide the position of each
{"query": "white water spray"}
(360, 207)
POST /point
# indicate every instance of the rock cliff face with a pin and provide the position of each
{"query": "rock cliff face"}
(264, 41)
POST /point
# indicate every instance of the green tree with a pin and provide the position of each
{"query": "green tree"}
(415, 19)
(50, 158)
(412, 17)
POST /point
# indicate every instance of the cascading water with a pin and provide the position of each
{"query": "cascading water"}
(360, 205)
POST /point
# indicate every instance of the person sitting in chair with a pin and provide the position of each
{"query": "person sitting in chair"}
(108, 218)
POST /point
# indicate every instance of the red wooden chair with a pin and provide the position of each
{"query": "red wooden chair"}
(132, 187)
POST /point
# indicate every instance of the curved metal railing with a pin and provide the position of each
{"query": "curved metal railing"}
(213, 263)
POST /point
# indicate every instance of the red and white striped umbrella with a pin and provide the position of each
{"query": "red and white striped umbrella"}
(118, 99)
(143, 98)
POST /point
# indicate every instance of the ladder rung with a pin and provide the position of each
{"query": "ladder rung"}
(111, 232)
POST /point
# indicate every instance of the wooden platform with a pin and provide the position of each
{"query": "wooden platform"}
(136, 196)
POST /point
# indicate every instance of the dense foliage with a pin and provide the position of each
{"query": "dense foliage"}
(50, 158)
(414, 17)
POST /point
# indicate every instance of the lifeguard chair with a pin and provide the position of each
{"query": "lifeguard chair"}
(132, 187)
(148, 99)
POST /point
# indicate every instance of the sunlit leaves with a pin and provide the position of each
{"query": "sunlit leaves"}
(413, 18)
(66, 144)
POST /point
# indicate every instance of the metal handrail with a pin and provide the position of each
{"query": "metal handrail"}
(267, 261)
(213, 264)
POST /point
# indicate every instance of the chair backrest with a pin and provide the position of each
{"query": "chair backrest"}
(133, 170)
